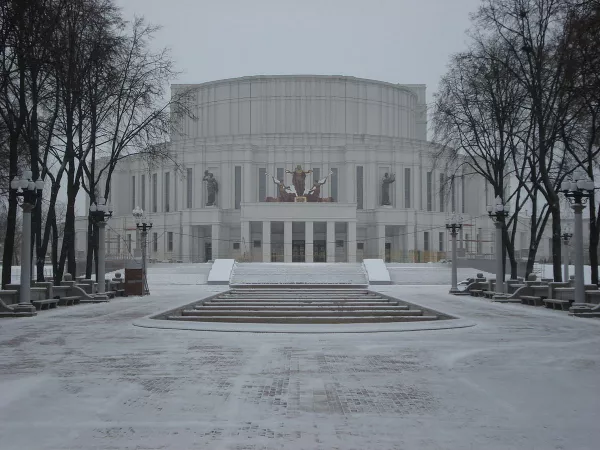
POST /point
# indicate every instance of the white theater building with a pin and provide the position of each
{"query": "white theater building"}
(249, 128)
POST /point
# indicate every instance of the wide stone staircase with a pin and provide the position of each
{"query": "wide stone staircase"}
(281, 274)
(299, 305)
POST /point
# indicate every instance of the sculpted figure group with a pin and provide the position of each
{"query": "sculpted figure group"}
(297, 191)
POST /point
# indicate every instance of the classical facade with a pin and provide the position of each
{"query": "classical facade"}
(230, 190)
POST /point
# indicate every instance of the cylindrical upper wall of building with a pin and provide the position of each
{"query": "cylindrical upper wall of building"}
(301, 104)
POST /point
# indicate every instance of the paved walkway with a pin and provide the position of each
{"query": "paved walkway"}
(85, 378)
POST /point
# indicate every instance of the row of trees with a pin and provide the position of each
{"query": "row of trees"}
(80, 89)
(522, 103)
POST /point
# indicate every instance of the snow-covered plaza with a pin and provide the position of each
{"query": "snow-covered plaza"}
(85, 377)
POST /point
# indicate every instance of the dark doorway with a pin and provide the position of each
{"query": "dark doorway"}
(319, 251)
(207, 251)
(388, 252)
(298, 251)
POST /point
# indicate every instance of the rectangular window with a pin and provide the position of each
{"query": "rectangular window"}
(154, 242)
(262, 184)
(188, 180)
(442, 235)
(442, 181)
(453, 194)
(360, 246)
(238, 187)
(426, 241)
(108, 238)
(257, 244)
(429, 191)
(143, 205)
(133, 205)
(467, 243)
(118, 245)
(280, 173)
(316, 174)
(154, 192)
(479, 241)
(167, 191)
(129, 242)
(339, 243)
(236, 245)
(359, 187)
(462, 193)
(175, 191)
(169, 241)
(407, 188)
(334, 184)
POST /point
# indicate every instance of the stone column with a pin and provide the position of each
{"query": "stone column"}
(245, 238)
(381, 242)
(215, 236)
(352, 241)
(287, 241)
(266, 241)
(454, 288)
(578, 235)
(25, 305)
(566, 260)
(330, 241)
(308, 242)
(186, 244)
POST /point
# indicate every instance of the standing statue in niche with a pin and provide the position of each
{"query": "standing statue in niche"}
(212, 186)
(299, 176)
(385, 188)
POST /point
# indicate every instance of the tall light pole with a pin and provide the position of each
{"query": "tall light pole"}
(454, 223)
(498, 214)
(143, 226)
(28, 190)
(100, 213)
(577, 191)
(566, 237)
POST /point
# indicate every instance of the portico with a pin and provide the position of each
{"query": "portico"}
(300, 232)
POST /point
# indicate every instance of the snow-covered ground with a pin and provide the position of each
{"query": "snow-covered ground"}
(84, 377)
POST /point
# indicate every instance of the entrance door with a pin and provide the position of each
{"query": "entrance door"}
(298, 251)
(319, 251)
(207, 251)
(388, 252)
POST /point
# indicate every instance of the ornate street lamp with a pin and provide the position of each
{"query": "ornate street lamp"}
(100, 213)
(578, 191)
(498, 213)
(28, 190)
(566, 238)
(143, 226)
(454, 223)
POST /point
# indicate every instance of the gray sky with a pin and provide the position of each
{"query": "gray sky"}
(399, 41)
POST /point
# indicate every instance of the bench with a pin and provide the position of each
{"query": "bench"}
(555, 303)
(532, 300)
(592, 297)
(68, 301)
(476, 292)
(45, 304)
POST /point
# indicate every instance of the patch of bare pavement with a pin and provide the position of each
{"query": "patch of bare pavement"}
(84, 377)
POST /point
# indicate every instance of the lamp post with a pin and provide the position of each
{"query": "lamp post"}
(577, 191)
(454, 224)
(100, 213)
(143, 226)
(566, 237)
(28, 190)
(498, 214)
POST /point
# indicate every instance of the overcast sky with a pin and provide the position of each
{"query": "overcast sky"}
(399, 41)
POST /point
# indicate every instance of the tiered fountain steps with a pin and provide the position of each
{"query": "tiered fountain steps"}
(302, 306)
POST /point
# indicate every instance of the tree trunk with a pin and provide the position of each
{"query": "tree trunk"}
(9, 239)
(55, 252)
(594, 235)
(556, 242)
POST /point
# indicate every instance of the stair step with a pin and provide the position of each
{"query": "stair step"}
(297, 303)
(284, 307)
(311, 313)
(304, 320)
